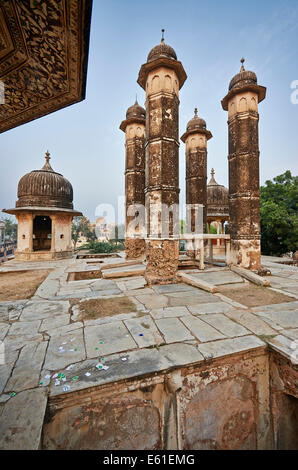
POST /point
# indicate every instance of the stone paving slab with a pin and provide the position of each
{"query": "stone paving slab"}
(251, 321)
(227, 347)
(277, 307)
(225, 325)
(112, 319)
(3, 330)
(286, 346)
(71, 352)
(14, 342)
(210, 307)
(103, 284)
(144, 331)
(27, 369)
(291, 333)
(135, 283)
(5, 371)
(180, 354)
(22, 419)
(39, 310)
(286, 319)
(190, 298)
(171, 288)
(153, 301)
(48, 288)
(24, 328)
(107, 339)
(173, 330)
(65, 329)
(201, 330)
(56, 322)
(170, 312)
(219, 278)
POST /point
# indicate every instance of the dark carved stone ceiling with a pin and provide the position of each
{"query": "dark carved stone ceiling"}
(43, 57)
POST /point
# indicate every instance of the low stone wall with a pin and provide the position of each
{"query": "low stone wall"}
(224, 403)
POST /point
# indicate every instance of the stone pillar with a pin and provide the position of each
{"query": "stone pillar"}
(162, 77)
(244, 187)
(134, 128)
(195, 139)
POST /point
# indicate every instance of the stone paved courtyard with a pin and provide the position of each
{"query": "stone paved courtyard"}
(49, 350)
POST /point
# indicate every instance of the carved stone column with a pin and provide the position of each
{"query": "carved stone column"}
(162, 76)
(244, 185)
(134, 128)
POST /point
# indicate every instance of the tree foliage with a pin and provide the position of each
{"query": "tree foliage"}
(279, 216)
(11, 228)
(81, 227)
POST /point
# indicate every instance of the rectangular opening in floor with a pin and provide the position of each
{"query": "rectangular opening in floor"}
(98, 308)
(254, 296)
(84, 275)
(17, 285)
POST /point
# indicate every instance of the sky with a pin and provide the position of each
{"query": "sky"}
(209, 38)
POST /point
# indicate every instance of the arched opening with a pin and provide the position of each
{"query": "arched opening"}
(42, 233)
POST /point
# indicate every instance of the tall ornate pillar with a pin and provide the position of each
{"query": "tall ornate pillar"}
(241, 102)
(134, 128)
(161, 77)
(195, 139)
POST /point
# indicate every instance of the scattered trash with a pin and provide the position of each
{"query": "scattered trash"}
(70, 367)
(65, 342)
(75, 378)
(47, 376)
(98, 366)
(87, 374)
(63, 379)
(100, 342)
(96, 349)
(141, 334)
(105, 367)
(123, 358)
(40, 383)
(57, 382)
(75, 349)
(66, 388)
(12, 394)
(54, 376)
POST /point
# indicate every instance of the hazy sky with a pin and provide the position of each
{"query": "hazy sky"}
(209, 38)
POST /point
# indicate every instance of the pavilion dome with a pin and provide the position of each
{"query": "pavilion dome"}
(162, 50)
(45, 188)
(196, 122)
(217, 198)
(135, 111)
(243, 78)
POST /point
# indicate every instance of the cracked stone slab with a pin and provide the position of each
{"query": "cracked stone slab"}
(225, 325)
(173, 330)
(27, 369)
(229, 346)
(3, 330)
(181, 354)
(286, 346)
(137, 283)
(107, 339)
(252, 322)
(277, 307)
(72, 351)
(47, 289)
(39, 310)
(291, 333)
(103, 284)
(153, 301)
(220, 278)
(24, 328)
(22, 420)
(144, 331)
(190, 298)
(12, 342)
(5, 371)
(62, 330)
(112, 319)
(286, 319)
(169, 312)
(56, 322)
(201, 330)
(210, 307)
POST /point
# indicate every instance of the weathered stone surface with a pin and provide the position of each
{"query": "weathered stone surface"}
(12, 342)
(201, 330)
(56, 322)
(24, 328)
(286, 319)
(170, 288)
(115, 318)
(220, 278)
(286, 346)
(153, 301)
(73, 351)
(226, 347)
(39, 310)
(210, 307)
(47, 289)
(144, 331)
(62, 330)
(224, 325)
(173, 330)
(3, 330)
(103, 284)
(190, 298)
(252, 322)
(168, 312)
(22, 419)
(180, 354)
(290, 333)
(27, 369)
(114, 337)
(5, 371)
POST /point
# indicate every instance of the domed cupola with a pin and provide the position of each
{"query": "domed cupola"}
(44, 188)
(161, 50)
(217, 198)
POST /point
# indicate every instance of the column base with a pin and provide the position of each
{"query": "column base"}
(246, 254)
(162, 261)
(135, 248)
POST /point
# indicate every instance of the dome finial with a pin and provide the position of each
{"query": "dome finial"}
(212, 172)
(48, 156)
(162, 35)
(196, 111)
(47, 166)
(242, 66)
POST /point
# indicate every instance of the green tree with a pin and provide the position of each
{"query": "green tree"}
(11, 228)
(279, 216)
(80, 226)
